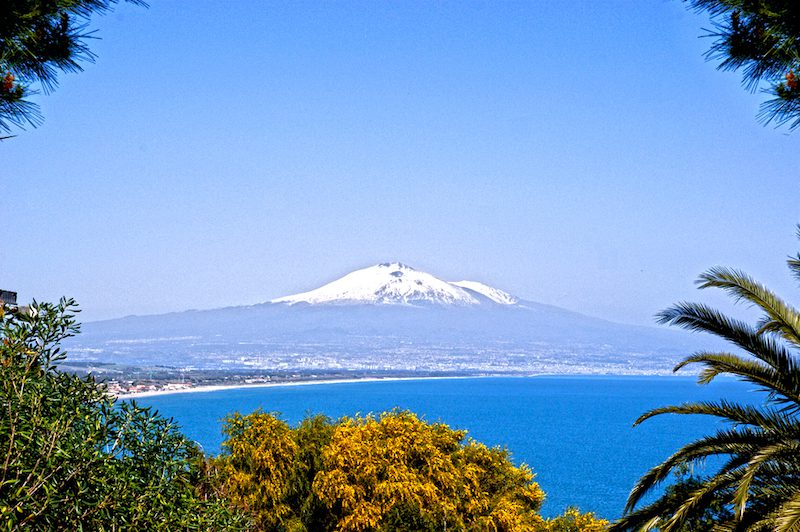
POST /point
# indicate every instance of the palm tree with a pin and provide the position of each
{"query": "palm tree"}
(759, 446)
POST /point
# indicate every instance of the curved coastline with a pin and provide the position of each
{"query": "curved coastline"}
(312, 382)
(221, 387)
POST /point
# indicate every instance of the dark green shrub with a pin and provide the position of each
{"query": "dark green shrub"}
(72, 458)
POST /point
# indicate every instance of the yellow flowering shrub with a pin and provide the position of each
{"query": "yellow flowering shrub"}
(386, 473)
(574, 521)
(257, 467)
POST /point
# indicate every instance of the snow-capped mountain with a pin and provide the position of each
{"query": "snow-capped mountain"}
(395, 283)
(386, 318)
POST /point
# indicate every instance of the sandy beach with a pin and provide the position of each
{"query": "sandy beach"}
(216, 388)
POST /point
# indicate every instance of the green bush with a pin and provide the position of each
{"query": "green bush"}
(71, 458)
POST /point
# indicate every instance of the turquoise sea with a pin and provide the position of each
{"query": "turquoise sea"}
(575, 432)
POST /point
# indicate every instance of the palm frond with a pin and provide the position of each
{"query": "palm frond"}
(760, 479)
(765, 419)
(788, 518)
(781, 318)
(642, 520)
(794, 266)
(782, 387)
(743, 441)
(794, 262)
(700, 317)
(653, 515)
(765, 455)
(698, 499)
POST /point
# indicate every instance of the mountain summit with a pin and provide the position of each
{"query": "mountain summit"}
(395, 283)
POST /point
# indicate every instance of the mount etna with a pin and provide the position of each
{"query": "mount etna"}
(386, 318)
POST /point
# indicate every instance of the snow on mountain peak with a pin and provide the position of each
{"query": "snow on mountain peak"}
(495, 294)
(395, 283)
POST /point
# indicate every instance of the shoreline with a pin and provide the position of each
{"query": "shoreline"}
(222, 387)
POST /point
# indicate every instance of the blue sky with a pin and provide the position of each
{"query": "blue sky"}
(582, 154)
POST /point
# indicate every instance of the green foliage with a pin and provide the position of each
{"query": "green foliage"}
(761, 37)
(39, 39)
(312, 436)
(73, 459)
(758, 486)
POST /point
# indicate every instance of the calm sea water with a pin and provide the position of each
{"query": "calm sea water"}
(575, 432)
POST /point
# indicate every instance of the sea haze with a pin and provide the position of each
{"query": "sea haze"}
(387, 318)
(575, 432)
